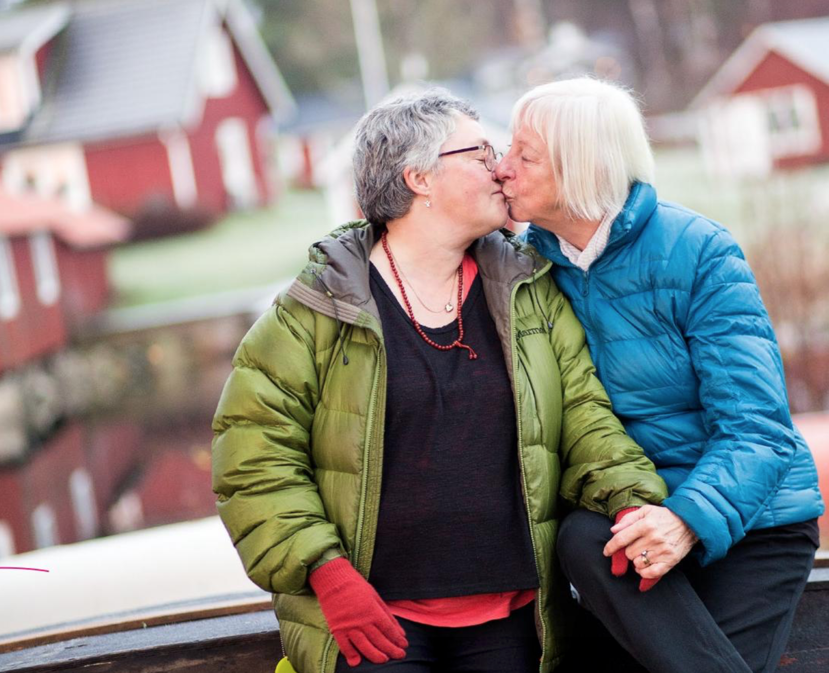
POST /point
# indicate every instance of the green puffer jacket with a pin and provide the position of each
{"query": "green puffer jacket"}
(298, 448)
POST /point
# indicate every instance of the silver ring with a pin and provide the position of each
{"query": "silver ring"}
(645, 558)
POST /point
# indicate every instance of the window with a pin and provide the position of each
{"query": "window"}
(45, 526)
(9, 294)
(6, 540)
(791, 117)
(83, 503)
(46, 267)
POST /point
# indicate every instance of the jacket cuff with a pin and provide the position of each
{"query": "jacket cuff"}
(701, 517)
(625, 500)
(328, 555)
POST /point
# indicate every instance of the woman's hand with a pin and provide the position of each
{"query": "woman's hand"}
(659, 532)
(359, 620)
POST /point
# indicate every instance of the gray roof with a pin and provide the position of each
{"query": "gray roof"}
(125, 67)
(18, 26)
(128, 67)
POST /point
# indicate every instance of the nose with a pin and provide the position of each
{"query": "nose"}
(503, 171)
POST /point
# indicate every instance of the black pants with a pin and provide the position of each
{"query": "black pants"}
(732, 616)
(507, 645)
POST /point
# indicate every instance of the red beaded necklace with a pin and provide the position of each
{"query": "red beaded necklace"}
(457, 343)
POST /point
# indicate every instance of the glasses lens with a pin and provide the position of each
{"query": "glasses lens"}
(491, 158)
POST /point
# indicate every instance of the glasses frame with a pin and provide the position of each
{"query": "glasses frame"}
(490, 156)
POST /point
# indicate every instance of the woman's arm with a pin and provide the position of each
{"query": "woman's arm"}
(262, 472)
(751, 441)
(604, 469)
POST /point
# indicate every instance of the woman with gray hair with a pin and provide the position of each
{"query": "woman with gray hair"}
(391, 445)
(685, 348)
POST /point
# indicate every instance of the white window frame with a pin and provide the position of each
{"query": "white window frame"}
(7, 547)
(785, 104)
(180, 160)
(9, 290)
(236, 158)
(45, 264)
(83, 504)
(45, 526)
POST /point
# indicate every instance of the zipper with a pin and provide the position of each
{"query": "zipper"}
(513, 348)
(378, 397)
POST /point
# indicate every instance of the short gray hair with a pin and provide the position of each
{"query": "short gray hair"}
(595, 134)
(404, 132)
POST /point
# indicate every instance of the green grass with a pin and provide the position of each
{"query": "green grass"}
(242, 250)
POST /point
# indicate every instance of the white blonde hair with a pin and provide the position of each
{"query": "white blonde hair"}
(595, 134)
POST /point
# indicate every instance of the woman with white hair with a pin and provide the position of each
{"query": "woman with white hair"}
(392, 443)
(684, 346)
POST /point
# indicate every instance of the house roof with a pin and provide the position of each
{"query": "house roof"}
(804, 42)
(128, 67)
(92, 228)
(32, 26)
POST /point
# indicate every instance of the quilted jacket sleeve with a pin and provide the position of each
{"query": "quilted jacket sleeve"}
(743, 395)
(604, 470)
(262, 472)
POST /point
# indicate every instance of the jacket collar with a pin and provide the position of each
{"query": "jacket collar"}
(627, 226)
(336, 280)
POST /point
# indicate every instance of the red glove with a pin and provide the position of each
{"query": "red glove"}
(619, 562)
(358, 618)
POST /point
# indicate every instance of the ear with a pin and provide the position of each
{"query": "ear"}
(419, 182)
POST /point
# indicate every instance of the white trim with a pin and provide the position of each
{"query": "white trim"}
(47, 30)
(83, 504)
(6, 540)
(736, 69)
(217, 63)
(9, 291)
(236, 159)
(45, 526)
(15, 105)
(45, 264)
(766, 38)
(259, 61)
(194, 101)
(180, 160)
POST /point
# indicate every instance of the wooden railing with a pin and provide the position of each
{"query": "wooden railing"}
(242, 635)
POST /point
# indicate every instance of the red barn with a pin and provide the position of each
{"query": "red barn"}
(767, 107)
(139, 105)
(52, 276)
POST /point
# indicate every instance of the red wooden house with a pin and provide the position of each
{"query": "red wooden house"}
(767, 107)
(52, 276)
(139, 105)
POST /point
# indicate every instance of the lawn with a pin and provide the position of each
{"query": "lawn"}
(242, 250)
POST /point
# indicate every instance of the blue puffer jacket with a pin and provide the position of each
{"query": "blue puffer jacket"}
(682, 342)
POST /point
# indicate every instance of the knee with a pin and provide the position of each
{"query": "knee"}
(581, 539)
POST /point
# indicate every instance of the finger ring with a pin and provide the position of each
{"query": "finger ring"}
(645, 558)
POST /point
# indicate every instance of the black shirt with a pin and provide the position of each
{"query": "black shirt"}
(452, 520)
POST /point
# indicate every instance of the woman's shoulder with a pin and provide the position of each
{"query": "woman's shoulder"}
(507, 255)
(685, 240)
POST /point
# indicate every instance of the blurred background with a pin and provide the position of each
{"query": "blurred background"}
(164, 165)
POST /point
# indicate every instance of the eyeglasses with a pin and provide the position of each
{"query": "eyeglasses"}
(491, 157)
